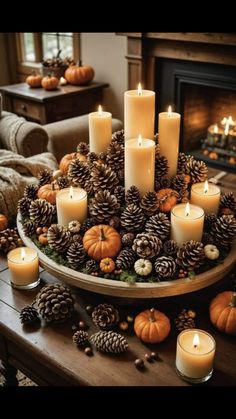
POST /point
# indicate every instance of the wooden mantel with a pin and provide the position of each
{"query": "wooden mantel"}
(144, 48)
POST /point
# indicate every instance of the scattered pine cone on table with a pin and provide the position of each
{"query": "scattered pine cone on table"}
(78, 172)
(31, 191)
(103, 206)
(45, 177)
(105, 316)
(147, 245)
(42, 212)
(161, 167)
(63, 182)
(185, 320)
(29, 228)
(128, 239)
(10, 239)
(92, 266)
(119, 193)
(132, 196)
(227, 200)
(158, 224)
(80, 338)
(197, 170)
(55, 303)
(109, 342)
(23, 205)
(224, 230)
(59, 238)
(29, 315)
(191, 255)
(83, 148)
(103, 178)
(165, 267)
(125, 259)
(75, 254)
(149, 203)
(170, 248)
(133, 218)
(116, 156)
(118, 137)
(182, 162)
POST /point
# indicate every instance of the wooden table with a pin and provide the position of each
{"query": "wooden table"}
(48, 356)
(50, 106)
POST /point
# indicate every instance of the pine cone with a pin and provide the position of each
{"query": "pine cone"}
(114, 222)
(149, 203)
(182, 163)
(59, 238)
(161, 167)
(165, 182)
(29, 228)
(165, 267)
(24, 205)
(125, 259)
(119, 193)
(91, 158)
(197, 170)
(78, 172)
(116, 156)
(128, 239)
(83, 148)
(103, 206)
(207, 239)
(157, 185)
(158, 224)
(45, 177)
(55, 303)
(92, 266)
(224, 230)
(118, 137)
(80, 338)
(179, 184)
(132, 218)
(132, 196)
(31, 191)
(75, 255)
(10, 239)
(87, 224)
(191, 255)
(170, 248)
(185, 320)
(227, 200)
(209, 220)
(88, 187)
(147, 245)
(105, 316)
(29, 315)
(109, 342)
(103, 178)
(63, 182)
(102, 157)
(42, 212)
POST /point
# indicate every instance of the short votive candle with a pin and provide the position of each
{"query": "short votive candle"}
(24, 267)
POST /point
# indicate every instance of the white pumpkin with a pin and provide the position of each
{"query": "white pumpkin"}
(143, 267)
(211, 251)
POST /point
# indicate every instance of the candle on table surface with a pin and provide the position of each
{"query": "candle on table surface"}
(139, 113)
(168, 138)
(71, 205)
(186, 223)
(100, 130)
(195, 355)
(207, 196)
(140, 164)
(24, 267)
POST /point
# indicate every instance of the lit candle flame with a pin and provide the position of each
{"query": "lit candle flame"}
(99, 110)
(230, 119)
(71, 192)
(139, 89)
(23, 254)
(196, 340)
(169, 111)
(206, 187)
(216, 129)
(224, 120)
(187, 209)
(227, 127)
(140, 140)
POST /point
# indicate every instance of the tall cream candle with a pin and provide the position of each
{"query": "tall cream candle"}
(24, 267)
(186, 223)
(140, 164)
(100, 130)
(71, 205)
(207, 196)
(168, 138)
(139, 110)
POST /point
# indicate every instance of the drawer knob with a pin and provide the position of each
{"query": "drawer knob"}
(23, 107)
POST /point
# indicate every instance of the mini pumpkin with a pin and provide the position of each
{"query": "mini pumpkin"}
(152, 326)
(34, 80)
(107, 265)
(79, 74)
(3, 222)
(102, 241)
(43, 239)
(74, 226)
(48, 193)
(67, 159)
(223, 312)
(211, 252)
(167, 198)
(50, 82)
(143, 267)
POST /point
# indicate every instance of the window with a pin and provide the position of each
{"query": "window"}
(57, 41)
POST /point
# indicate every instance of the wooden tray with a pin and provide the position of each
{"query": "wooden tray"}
(125, 290)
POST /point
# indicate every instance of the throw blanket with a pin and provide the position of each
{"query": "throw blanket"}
(16, 172)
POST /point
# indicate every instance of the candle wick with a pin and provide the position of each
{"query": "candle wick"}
(187, 214)
(195, 346)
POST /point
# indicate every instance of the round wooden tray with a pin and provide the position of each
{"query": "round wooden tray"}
(125, 290)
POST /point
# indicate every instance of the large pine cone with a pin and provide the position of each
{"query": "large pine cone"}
(182, 162)
(132, 196)
(125, 259)
(105, 316)
(31, 191)
(191, 255)
(42, 212)
(165, 267)
(55, 303)
(23, 205)
(78, 172)
(45, 177)
(109, 342)
(118, 137)
(103, 206)
(83, 148)
(59, 238)
(76, 254)
(149, 203)
(158, 224)
(103, 178)
(9, 239)
(116, 156)
(224, 230)
(227, 200)
(197, 170)
(132, 218)
(147, 245)
(161, 167)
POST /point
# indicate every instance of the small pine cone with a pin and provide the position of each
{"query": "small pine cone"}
(31, 191)
(119, 193)
(114, 222)
(103, 178)
(132, 218)
(184, 198)
(182, 162)
(105, 316)
(63, 182)
(158, 224)
(87, 224)
(125, 259)
(9, 239)
(157, 185)
(55, 303)
(227, 200)
(224, 230)
(196, 169)
(121, 176)
(91, 158)
(165, 182)
(29, 315)
(59, 238)
(109, 342)
(179, 184)
(24, 205)
(165, 267)
(42, 212)
(118, 137)
(207, 239)
(185, 320)
(102, 157)
(103, 206)
(92, 266)
(80, 338)
(128, 239)
(75, 255)
(88, 187)
(209, 221)
(83, 148)
(116, 156)
(191, 255)
(147, 245)
(78, 172)
(149, 203)
(170, 248)
(132, 196)
(161, 167)
(29, 228)
(45, 177)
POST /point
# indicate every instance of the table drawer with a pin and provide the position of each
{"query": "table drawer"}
(27, 109)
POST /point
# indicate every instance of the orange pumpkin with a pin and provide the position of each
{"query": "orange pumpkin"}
(3, 222)
(223, 312)
(107, 265)
(50, 82)
(34, 80)
(152, 326)
(167, 198)
(43, 239)
(79, 74)
(48, 192)
(102, 241)
(66, 160)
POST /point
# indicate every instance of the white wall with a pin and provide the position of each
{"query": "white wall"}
(105, 52)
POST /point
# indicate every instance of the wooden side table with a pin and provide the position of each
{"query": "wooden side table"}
(43, 106)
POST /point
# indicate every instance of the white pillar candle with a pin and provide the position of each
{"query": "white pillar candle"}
(24, 267)
(71, 205)
(100, 130)
(140, 164)
(168, 138)
(195, 355)
(139, 110)
(186, 223)
(207, 196)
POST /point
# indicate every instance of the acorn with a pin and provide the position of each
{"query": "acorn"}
(82, 325)
(123, 326)
(88, 351)
(139, 364)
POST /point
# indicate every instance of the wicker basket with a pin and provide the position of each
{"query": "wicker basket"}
(54, 71)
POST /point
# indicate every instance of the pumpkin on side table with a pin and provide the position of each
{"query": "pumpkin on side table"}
(34, 80)
(79, 74)
(223, 312)
(50, 82)
(152, 326)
